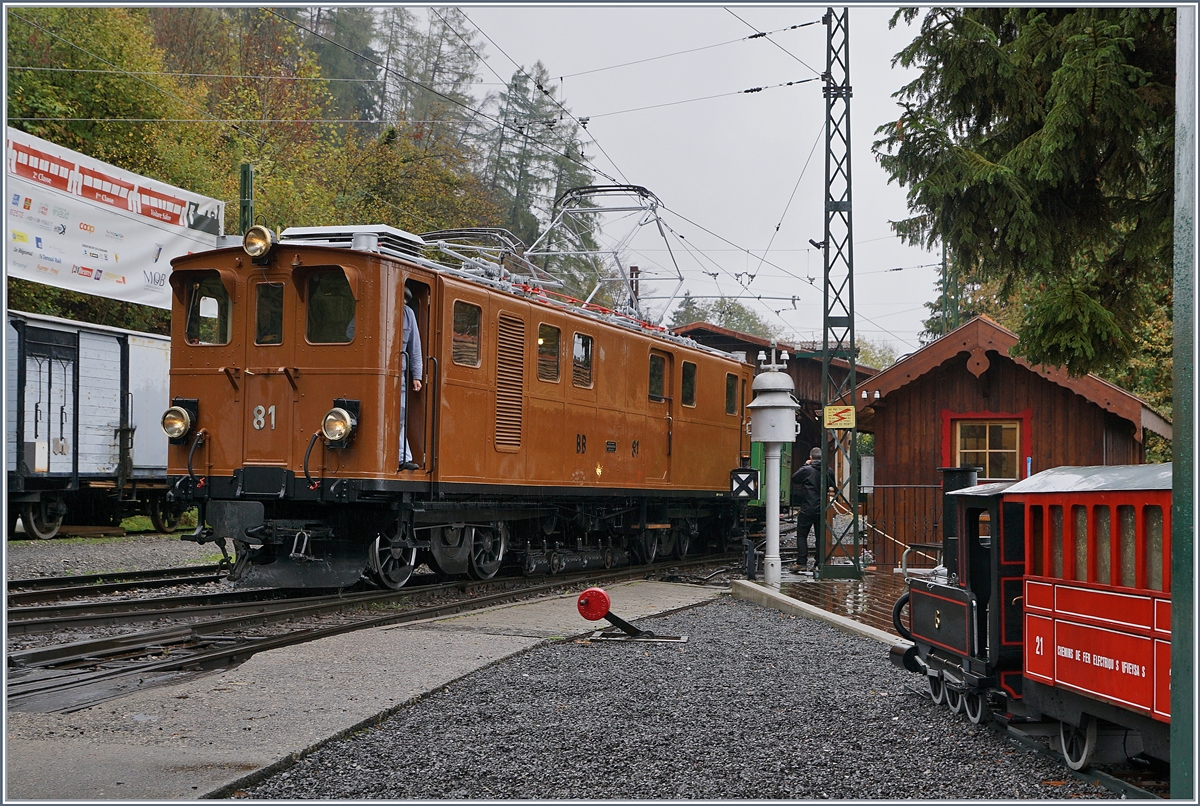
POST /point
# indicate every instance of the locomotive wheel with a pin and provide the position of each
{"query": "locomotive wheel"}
(487, 550)
(973, 706)
(683, 541)
(391, 564)
(1078, 744)
(38, 522)
(937, 689)
(954, 700)
(646, 546)
(666, 545)
(164, 516)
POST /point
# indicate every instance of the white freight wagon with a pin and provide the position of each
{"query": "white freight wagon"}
(84, 444)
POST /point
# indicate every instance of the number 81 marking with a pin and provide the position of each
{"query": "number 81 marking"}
(260, 417)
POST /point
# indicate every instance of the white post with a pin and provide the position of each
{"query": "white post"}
(770, 491)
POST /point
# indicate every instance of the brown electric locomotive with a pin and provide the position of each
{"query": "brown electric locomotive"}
(545, 435)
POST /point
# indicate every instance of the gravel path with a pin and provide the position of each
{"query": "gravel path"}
(756, 705)
(26, 559)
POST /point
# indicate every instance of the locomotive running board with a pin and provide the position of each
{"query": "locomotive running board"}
(649, 638)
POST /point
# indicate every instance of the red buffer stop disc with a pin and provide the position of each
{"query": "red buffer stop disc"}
(593, 604)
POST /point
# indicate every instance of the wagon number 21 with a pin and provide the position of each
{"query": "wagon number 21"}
(261, 415)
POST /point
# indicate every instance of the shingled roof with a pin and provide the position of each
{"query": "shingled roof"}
(980, 335)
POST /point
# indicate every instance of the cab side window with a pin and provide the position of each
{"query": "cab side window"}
(687, 387)
(547, 353)
(581, 361)
(730, 393)
(464, 345)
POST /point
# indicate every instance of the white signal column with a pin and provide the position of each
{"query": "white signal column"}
(773, 422)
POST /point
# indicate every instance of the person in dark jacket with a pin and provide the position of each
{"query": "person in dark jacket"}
(809, 495)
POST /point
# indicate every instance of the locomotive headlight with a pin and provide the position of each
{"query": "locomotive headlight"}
(258, 241)
(338, 425)
(176, 422)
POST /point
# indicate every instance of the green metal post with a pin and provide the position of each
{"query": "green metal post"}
(246, 211)
(1183, 672)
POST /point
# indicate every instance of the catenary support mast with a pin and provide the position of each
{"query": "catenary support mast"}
(839, 538)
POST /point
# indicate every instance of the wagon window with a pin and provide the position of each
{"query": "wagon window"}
(1103, 545)
(1081, 544)
(1126, 518)
(730, 393)
(1056, 542)
(1036, 543)
(581, 361)
(992, 446)
(464, 347)
(208, 320)
(687, 388)
(330, 308)
(268, 313)
(1154, 547)
(547, 353)
(658, 369)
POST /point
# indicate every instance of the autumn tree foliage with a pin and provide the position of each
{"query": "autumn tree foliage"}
(1037, 144)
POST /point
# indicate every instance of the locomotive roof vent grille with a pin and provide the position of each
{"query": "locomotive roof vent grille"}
(371, 237)
(510, 381)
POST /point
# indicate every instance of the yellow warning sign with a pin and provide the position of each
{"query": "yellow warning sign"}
(839, 416)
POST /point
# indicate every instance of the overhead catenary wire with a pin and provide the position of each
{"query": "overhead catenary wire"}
(749, 91)
(773, 42)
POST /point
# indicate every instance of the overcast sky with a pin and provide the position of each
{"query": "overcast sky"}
(730, 164)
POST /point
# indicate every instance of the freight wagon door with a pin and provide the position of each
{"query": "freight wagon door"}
(660, 419)
(270, 379)
(49, 437)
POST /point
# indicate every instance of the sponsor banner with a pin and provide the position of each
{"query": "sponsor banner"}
(81, 224)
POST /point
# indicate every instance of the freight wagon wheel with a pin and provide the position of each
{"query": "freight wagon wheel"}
(487, 551)
(973, 706)
(38, 520)
(954, 699)
(164, 516)
(937, 689)
(390, 563)
(1078, 744)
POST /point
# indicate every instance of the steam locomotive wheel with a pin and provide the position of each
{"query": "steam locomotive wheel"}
(38, 520)
(1078, 744)
(954, 700)
(937, 689)
(487, 550)
(973, 705)
(391, 564)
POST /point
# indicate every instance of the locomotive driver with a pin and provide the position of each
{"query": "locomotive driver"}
(413, 364)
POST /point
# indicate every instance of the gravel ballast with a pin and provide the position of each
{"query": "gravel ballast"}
(757, 704)
(28, 559)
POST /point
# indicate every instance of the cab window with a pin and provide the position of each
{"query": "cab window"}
(330, 308)
(268, 313)
(581, 361)
(658, 370)
(730, 393)
(208, 320)
(547, 353)
(687, 386)
(464, 348)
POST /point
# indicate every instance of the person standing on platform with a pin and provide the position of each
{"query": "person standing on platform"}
(413, 367)
(809, 494)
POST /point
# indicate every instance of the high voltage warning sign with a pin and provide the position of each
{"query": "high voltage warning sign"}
(839, 416)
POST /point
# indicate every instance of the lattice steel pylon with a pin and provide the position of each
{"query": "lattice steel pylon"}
(839, 533)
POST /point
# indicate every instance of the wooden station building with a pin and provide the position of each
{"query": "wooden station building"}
(963, 400)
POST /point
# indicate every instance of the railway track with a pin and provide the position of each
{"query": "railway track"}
(69, 677)
(24, 592)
